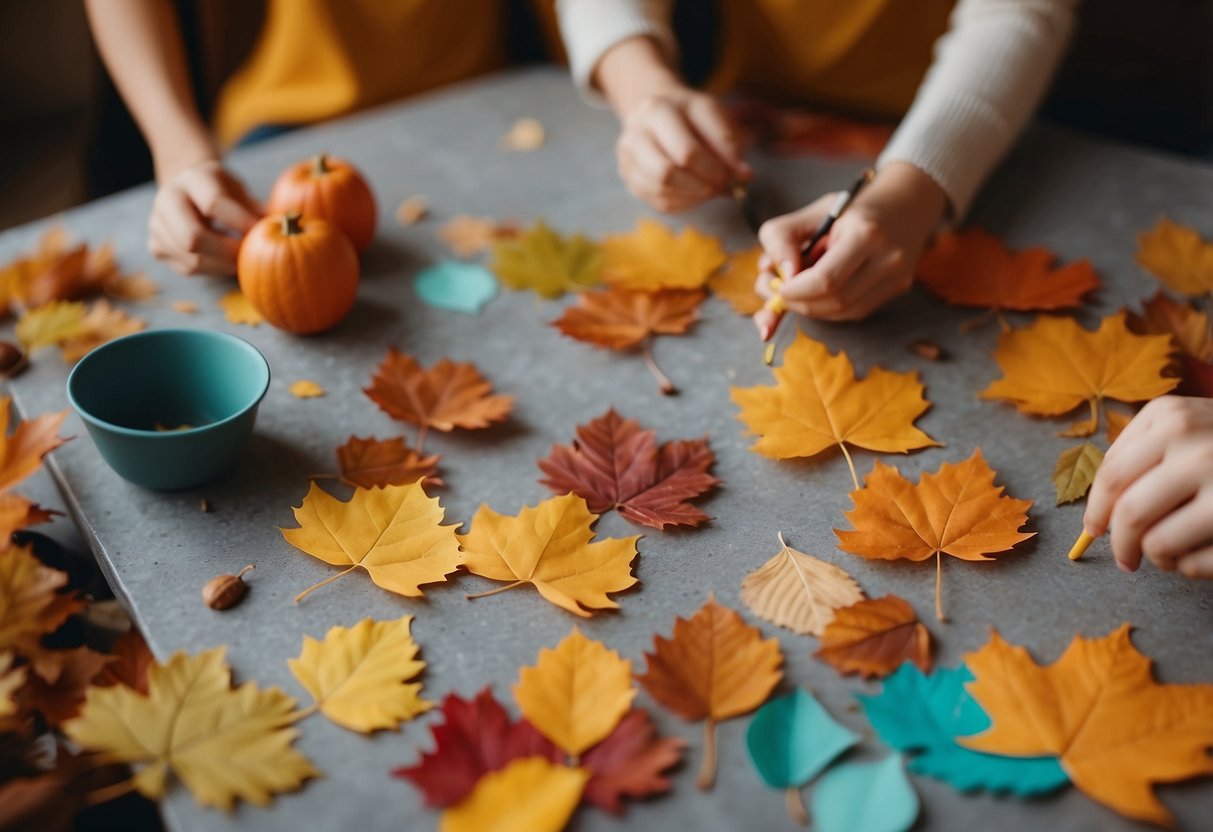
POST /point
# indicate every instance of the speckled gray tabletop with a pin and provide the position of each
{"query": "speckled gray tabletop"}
(1079, 196)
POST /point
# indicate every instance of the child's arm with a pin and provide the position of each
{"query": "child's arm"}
(198, 201)
(990, 72)
(677, 147)
(1155, 489)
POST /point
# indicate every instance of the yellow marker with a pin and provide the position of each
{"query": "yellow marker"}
(768, 355)
(1081, 545)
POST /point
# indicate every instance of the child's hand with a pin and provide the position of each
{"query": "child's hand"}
(1155, 489)
(199, 216)
(870, 254)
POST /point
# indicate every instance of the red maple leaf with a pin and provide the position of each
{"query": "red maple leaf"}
(613, 463)
(1198, 378)
(629, 763)
(476, 737)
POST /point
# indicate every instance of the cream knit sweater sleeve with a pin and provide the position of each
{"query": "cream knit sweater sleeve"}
(990, 71)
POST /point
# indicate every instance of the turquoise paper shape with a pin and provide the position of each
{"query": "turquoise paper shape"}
(459, 287)
(792, 738)
(926, 714)
(865, 797)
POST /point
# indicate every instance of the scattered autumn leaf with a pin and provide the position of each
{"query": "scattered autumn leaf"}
(103, 323)
(131, 659)
(73, 274)
(614, 464)
(11, 680)
(239, 310)
(630, 763)
(972, 267)
(1178, 256)
(374, 463)
(529, 794)
(448, 395)
(185, 307)
(715, 667)
(576, 693)
(1190, 327)
(735, 282)
(30, 603)
(21, 451)
(1075, 471)
(654, 257)
(525, 135)
(956, 511)
(16, 513)
(412, 210)
(476, 736)
(798, 591)
(394, 533)
(546, 262)
(468, 236)
(927, 349)
(134, 287)
(359, 676)
(1055, 365)
(1097, 708)
(817, 402)
(549, 546)
(874, 637)
(60, 699)
(305, 389)
(1117, 422)
(223, 744)
(50, 324)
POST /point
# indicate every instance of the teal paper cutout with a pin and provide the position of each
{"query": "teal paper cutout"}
(792, 738)
(926, 714)
(865, 797)
(459, 287)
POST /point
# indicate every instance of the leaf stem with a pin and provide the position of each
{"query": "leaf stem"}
(421, 432)
(850, 464)
(707, 769)
(667, 386)
(975, 323)
(304, 713)
(795, 804)
(939, 616)
(327, 580)
(111, 792)
(494, 591)
(1095, 408)
(1003, 324)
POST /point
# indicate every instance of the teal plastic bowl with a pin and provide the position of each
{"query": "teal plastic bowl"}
(170, 408)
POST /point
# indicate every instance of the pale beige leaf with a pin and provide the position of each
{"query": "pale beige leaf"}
(798, 591)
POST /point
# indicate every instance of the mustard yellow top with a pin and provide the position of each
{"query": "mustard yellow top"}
(316, 59)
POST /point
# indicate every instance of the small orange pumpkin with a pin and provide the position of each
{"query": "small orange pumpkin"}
(300, 273)
(330, 189)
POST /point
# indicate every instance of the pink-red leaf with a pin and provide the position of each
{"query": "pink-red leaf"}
(629, 763)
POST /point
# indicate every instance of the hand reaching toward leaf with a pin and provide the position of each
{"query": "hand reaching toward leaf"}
(1155, 489)
(199, 217)
(870, 254)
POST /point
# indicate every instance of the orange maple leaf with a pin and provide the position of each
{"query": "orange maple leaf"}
(1098, 709)
(873, 637)
(448, 395)
(817, 403)
(1178, 256)
(1054, 365)
(714, 668)
(21, 451)
(103, 323)
(374, 463)
(735, 282)
(654, 257)
(973, 268)
(956, 511)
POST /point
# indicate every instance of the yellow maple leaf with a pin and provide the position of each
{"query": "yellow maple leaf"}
(528, 795)
(50, 324)
(102, 323)
(305, 389)
(576, 694)
(735, 282)
(30, 605)
(654, 257)
(549, 546)
(238, 309)
(357, 675)
(817, 403)
(1178, 256)
(224, 744)
(1055, 365)
(394, 533)
(547, 262)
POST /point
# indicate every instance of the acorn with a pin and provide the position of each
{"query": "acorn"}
(12, 359)
(225, 591)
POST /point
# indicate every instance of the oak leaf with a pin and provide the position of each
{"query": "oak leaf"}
(21, 451)
(131, 659)
(614, 464)
(576, 693)
(1178, 256)
(394, 533)
(60, 699)
(529, 794)
(874, 637)
(654, 257)
(359, 676)
(223, 744)
(101, 324)
(715, 667)
(972, 267)
(30, 603)
(549, 546)
(374, 463)
(956, 511)
(798, 591)
(467, 235)
(817, 403)
(549, 263)
(1075, 470)
(306, 389)
(50, 324)
(448, 395)
(630, 762)
(476, 736)
(618, 319)
(1098, 709)
(238, 309)
(1055, 365)
(735, 282)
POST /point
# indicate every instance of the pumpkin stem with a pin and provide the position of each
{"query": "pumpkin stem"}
(320, 164)
(290, 223)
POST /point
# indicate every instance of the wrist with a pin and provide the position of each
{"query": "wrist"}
(173, 152)
(906, 194)
(634, 71)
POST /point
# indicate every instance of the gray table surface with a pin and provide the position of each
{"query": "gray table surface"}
(1079, 196)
